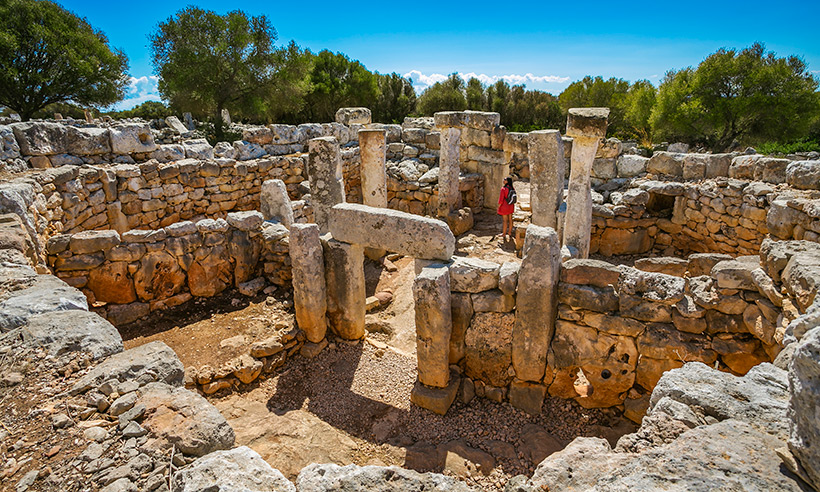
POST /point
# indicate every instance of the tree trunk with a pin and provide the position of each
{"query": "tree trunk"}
(218, 130)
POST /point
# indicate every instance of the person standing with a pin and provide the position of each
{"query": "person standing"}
(506, 207)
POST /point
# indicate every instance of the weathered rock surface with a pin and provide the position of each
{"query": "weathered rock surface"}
(322, 478)
(46, 294)
(152, 362)
(577, 467)
(804, 424)
(185, 419)
(473, 274)
(237, 470)
(64, 332)
(759, 398)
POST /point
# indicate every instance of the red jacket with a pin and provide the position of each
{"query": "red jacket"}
(504, 208)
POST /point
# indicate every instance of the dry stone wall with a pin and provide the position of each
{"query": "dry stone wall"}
(127, 276)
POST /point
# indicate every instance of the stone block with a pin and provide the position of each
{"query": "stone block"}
(461, 309)
(547, 168)
(473, 274)
(666, 164)
(132, 138)
(587, 122)
(527, 396)
(350, 116)
(488, 348)
(804, 430)
(736, 274)
(344, 274)
(702, 263)
(309, 288)
(392, 230)
(664, 264)
(804, 175)
(508, 277)
(591, 298)
(93, 241)
(630, 165)
(589, 272)
(663, 341)
(537, 302)
(493, 301)
(275, 203)
(437, 400)
(325, 175)
(431, 293)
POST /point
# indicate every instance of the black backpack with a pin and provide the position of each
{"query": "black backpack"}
(512, 196)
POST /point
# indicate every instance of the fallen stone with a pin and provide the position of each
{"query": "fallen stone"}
(74, 331)
(46, 294)
(804, 429)
(152, 362)
(239, 469)
(185, 419)
(330, 477)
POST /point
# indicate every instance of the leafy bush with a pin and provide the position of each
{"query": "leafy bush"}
(804, 145)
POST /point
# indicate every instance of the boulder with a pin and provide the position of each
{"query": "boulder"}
(589, 272)
(45, 294)
(40, 138)
(651, 286)
(801, 278)
(577, 467)
(158, 277)
(736, 274)
(760, 398)
(804, 175)
(185, 419)
(72, 331)
(630, 165)
(152, 362)
(198, 149)
(666, 163)
(804, 428)
(87, 141)
(239, 469)
(330, 477)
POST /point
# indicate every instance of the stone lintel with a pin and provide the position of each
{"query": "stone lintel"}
(392, 230)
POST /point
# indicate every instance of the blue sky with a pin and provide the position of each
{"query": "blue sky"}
(545, 45)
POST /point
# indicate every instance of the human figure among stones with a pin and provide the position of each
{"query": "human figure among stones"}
(506, 207)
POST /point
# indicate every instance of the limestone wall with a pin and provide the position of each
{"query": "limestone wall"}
(127, 276)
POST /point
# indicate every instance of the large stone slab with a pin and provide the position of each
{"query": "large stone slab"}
(373, 150)
(325, 175)
(431, 293)
(309, 288)
(395, 231)
(344, 275)
(547, 170)
(449, 164)
(536, 302)
(238, 469)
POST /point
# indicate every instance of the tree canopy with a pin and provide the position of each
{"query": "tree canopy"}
(747, 95)
(447, 95)
(49, 55)
(335, 82)
(208, 62)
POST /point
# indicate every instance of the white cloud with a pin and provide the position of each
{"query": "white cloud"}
(422, 81)
(139, 90)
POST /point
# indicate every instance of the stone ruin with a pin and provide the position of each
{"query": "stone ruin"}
(102, 226)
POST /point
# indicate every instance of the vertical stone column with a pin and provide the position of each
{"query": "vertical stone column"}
(449, 196)
(431, 292)
(545, 151)
(309, 288)
(325, 175)
(536, 303)
(587, 126)
(344, 276)
(373, 148)
(274, 202)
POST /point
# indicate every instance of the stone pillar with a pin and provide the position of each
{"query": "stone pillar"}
(373, 148)
(309, 288)
(274, 202)
(431, 292)
(587, 126)
(536, 303)
(449, 196)
(325, 174)
(344, 275)
(545, 151)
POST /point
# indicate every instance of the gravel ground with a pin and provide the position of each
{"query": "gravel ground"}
(364, 389)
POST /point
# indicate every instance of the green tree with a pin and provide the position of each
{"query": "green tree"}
(443, 96)
(476, 97)
(733, 96)
(597, 92)
(532, 110)
(149, 110)
(637, 105)
(336, 82)
(49, 55)
(396, 99)
(208, 62)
